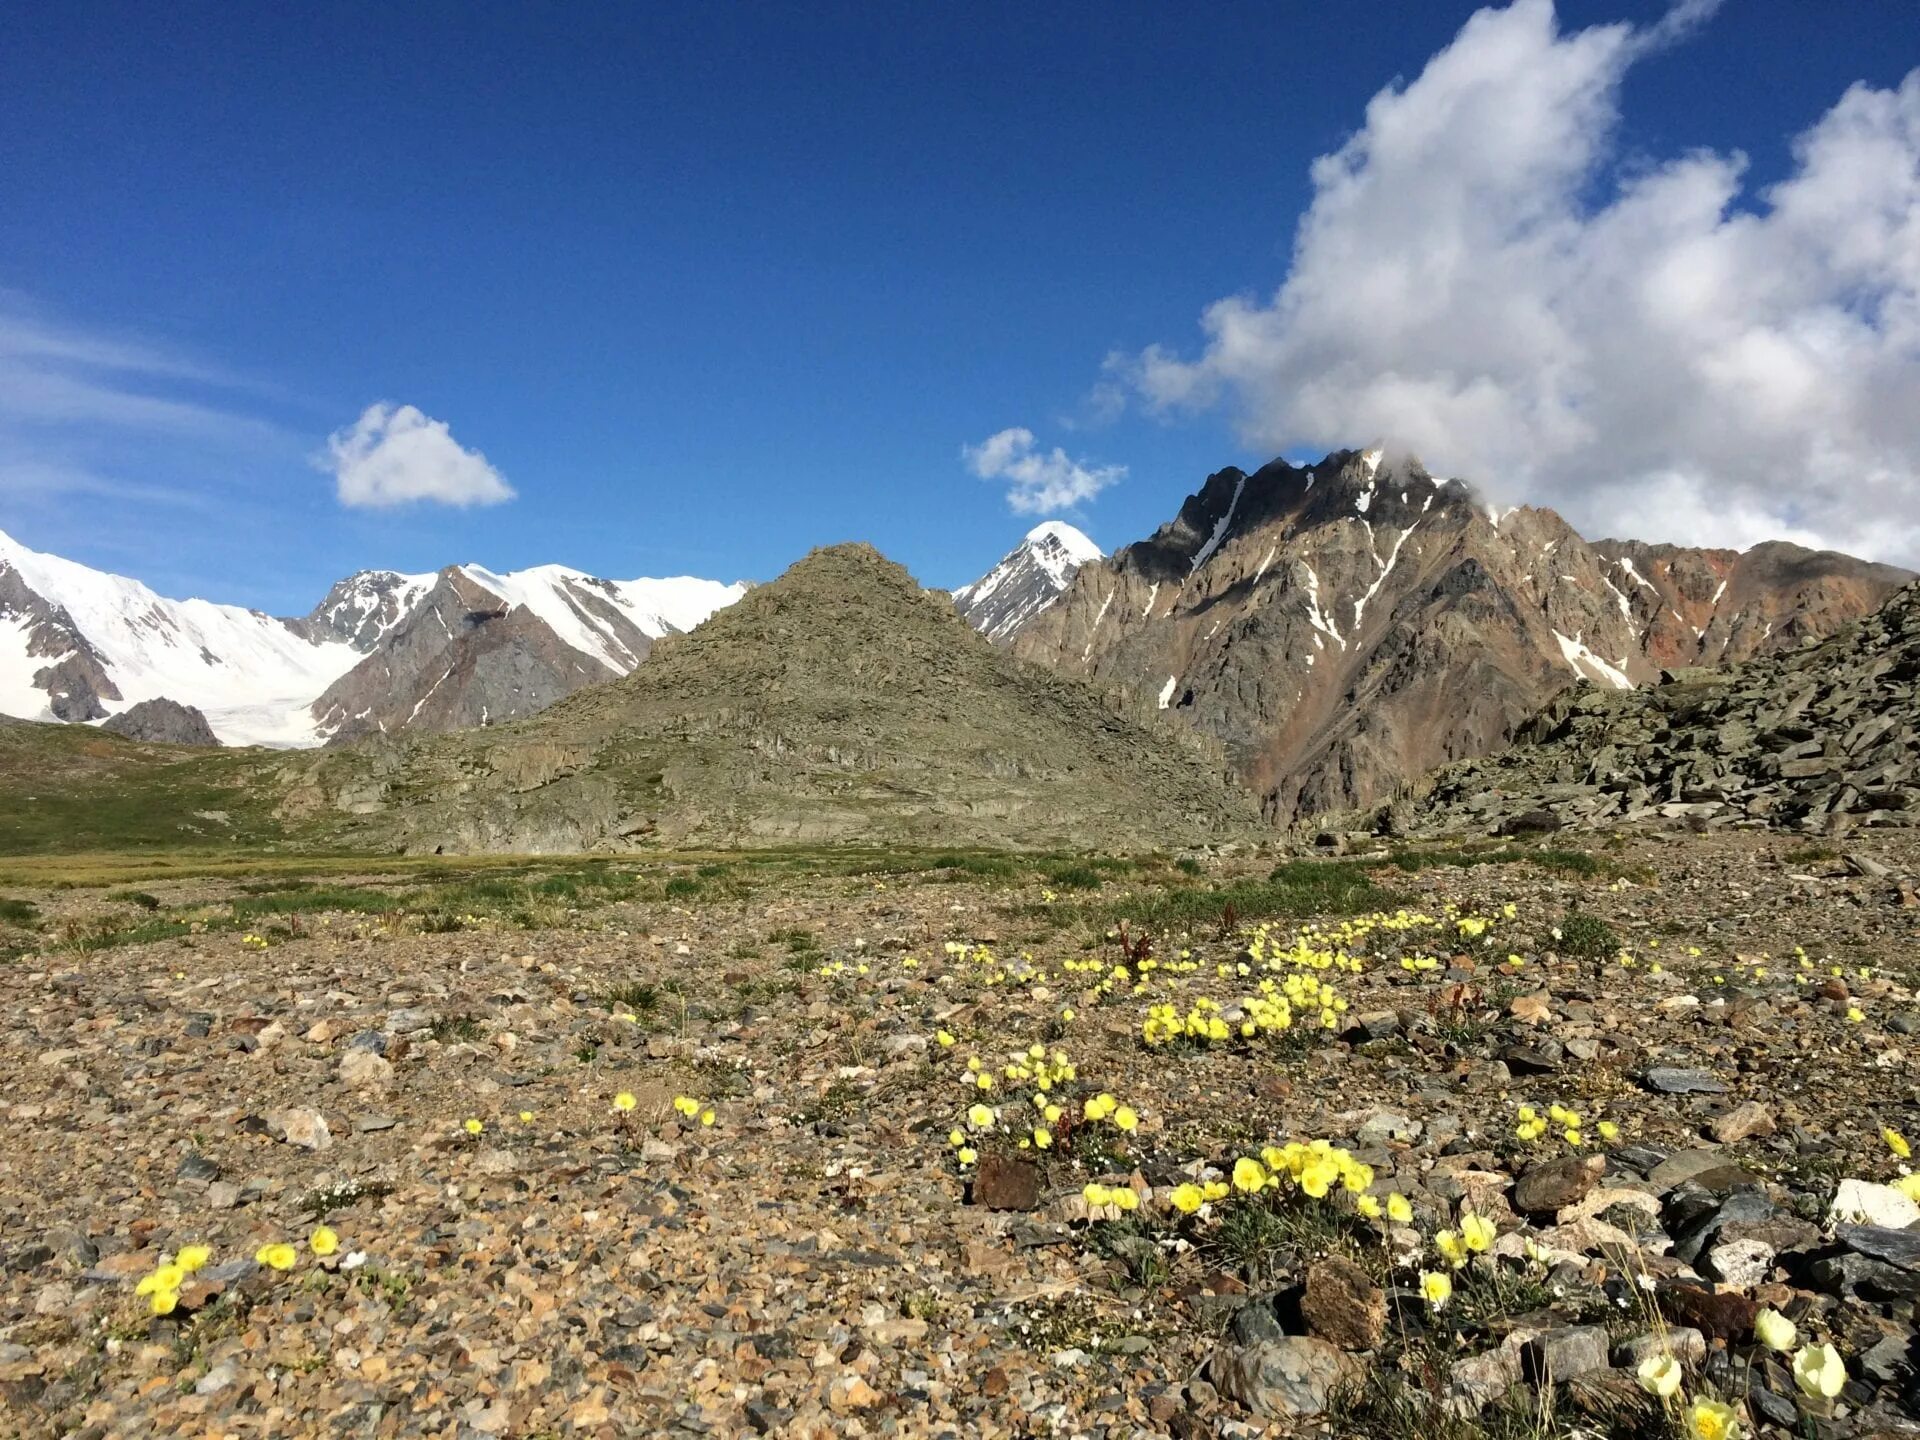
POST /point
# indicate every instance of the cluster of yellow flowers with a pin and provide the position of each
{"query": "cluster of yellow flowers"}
(251, 941)
(1818, 1373)
(1315, 1168)
(1276, 1007)
(1530, 1125)
(161, 1286)
(694, 1109)
(1108, 1107)
(1121, 1197)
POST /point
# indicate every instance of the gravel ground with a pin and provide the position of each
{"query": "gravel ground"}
(533, 1239)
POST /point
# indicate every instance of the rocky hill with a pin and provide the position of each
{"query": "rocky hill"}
(840, 702)
(1824, 739)
(1343, 626)
(382, 653)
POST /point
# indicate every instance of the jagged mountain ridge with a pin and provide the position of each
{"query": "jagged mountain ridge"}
(1344, 627)
(383, 651)
(839, 702)
(1821, 739)
(1028, 579)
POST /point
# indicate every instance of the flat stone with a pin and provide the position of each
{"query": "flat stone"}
(1552, 1185)
(1896, 1247)
(1862, 1202)
(1286, 1379)
(1004, 1183)
(1669, 1081)
(304, 1128)
(1566, 1353)
(1343, 1305)
(1679, 1168)
(1477, 1381)
(1742, 1122)
(1683, 1342)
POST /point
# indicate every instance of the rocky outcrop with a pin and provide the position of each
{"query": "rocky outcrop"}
(1341, 627)
(460, 658)
(162, 722)
(1824, 739)
(841, 702)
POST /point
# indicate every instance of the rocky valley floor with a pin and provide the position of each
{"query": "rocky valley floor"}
(1448, 1142)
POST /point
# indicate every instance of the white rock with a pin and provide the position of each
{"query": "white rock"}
(1861, 1202)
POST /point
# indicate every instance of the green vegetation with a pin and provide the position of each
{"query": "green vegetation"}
(1587, 937)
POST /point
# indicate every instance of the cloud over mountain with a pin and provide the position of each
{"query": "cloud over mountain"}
(1039, 482)
(1679, 357)
(395, 455)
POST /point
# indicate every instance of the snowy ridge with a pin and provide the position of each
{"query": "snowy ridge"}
(563, 600)
(256, 677)
(251, 674)
(1028, 579)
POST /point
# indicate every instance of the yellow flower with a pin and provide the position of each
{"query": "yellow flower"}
(1099, 1107)
(967, 1155)
(1477, 1232)
(323, 1241)
(1399, 1209)
(1125, 1119)
(1436, 1288)
(1855, 1014)
(1042, 1137)
(1659, 1375)
(1774, 1330)
(707, 1117)
(1897, 1143)
(624, 1101)
(1819, 1371)
(1125, 1196)
(943, 1037)
(1909, 1186)
(1187, 1198)
(1710, 1420)
(980, 1117)
(1051, 1114)
(162, 1277)
(276, 1257)
(1249, 1175)
(1609, 1131)
(162, 1302)
(686, 1105)
(526, 1117)
(1451, 1247)
(1368, 1207)
(1095, 1194)
(473, 1127)
(192, 1257)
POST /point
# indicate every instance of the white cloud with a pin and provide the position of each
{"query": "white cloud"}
(395, 455)
(1678, 360)
(1038, 482)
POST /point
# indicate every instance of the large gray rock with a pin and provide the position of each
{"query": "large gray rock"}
(162, 722)
(1291, 1378)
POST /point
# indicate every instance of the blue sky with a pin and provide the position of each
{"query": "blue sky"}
(710, 285)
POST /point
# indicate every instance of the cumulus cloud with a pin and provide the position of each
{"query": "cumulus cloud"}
(1038, 482)
(1650, 348)
(395, 455)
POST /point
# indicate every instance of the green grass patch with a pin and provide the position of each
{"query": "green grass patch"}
(19, 912)
(1295, 890)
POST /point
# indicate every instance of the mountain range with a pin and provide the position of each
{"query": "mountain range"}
(1343, 628)
(1329, 632)
(382, 652)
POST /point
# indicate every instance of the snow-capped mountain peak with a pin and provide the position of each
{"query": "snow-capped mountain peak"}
(1029, 578)
(77, 644)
